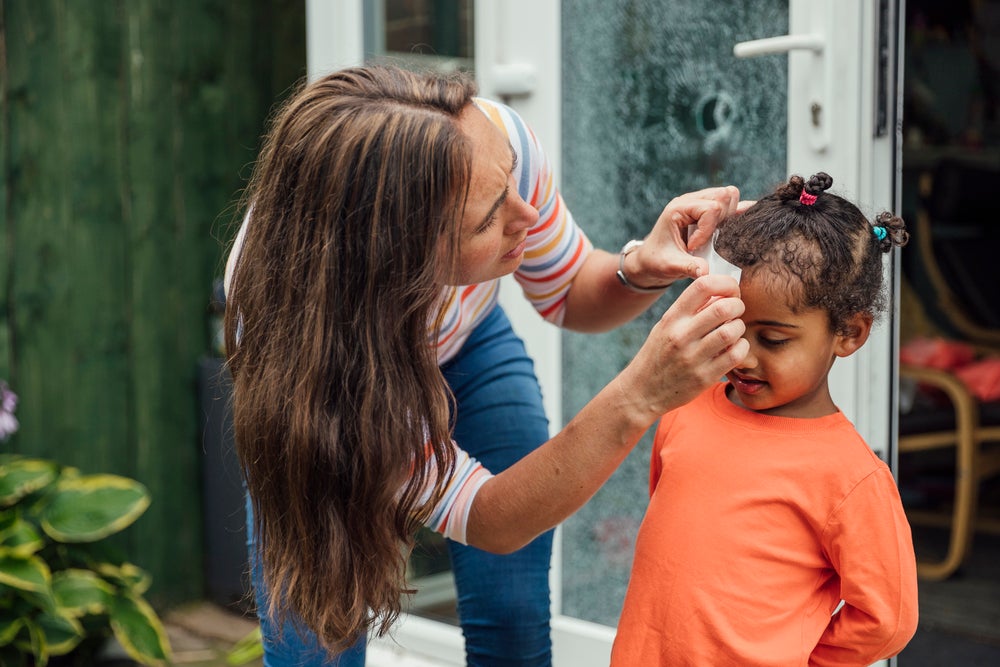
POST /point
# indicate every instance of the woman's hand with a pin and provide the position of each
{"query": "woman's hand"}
(693, 345)
(598, 301)
(664, 256)
(696, 342)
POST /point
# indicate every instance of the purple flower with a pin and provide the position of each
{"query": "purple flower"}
(8, 422)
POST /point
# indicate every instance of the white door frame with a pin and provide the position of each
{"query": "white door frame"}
(864, 162)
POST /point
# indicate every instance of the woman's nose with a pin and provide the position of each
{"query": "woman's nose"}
(523, 214)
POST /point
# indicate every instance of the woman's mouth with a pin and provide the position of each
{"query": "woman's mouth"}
(746, 385)
(517, 251)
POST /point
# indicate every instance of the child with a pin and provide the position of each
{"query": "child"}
(767, 508)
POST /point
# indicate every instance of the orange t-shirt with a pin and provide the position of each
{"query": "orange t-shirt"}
(757, 528)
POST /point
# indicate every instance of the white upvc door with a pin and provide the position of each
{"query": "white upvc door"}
(837, 72)
(843, 119)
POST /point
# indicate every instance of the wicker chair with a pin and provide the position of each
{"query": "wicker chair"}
(973, 430)
(954, 270)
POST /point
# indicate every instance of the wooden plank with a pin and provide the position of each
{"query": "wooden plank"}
(164, 269)
(69, 330)
(195, 111)
(127, 128)
(6, 228)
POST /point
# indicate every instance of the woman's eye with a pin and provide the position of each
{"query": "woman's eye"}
(487, 225)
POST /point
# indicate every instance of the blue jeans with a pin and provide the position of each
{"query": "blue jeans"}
(503, 601)
(295, 646)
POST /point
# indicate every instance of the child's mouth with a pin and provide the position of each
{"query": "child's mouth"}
(746, 385)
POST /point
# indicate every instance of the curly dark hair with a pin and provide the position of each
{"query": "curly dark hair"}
(820, 239)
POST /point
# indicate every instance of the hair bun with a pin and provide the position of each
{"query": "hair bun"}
(818, 182)
(896, 235)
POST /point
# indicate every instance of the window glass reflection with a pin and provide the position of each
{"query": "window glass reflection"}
(420, 33)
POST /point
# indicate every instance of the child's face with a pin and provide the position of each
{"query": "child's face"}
(791, 352)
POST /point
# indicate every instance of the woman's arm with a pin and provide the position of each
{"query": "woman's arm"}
(694, 344)
(598, 301)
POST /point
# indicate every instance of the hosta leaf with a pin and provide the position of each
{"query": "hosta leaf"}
(42, 600)
(9, 627)
(19, 477)
(91, 507)
(20, 539)
(35, 644)
(126, 575)
(80, 592)
(248, 648)
(139, 630)
(62, 634)
(26, 574)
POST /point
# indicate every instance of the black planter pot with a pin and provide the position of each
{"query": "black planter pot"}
(94, 652)
(79, 660)
(227, 574)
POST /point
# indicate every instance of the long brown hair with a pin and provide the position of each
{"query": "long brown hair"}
(339, 403)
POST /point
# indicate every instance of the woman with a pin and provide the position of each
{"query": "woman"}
(366, 341)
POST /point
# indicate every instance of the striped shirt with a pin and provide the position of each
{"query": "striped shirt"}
(555, 250)
(450, 515)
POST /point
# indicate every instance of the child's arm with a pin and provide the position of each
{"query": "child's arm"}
(869, 543)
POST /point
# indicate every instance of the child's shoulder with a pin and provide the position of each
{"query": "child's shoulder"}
(848, 456)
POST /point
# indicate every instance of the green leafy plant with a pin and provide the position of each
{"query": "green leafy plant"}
(248, 648)
(62, 586)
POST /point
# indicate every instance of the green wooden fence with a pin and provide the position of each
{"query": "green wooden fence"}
(127, 128)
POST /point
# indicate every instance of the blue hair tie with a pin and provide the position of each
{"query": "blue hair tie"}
(880, 232)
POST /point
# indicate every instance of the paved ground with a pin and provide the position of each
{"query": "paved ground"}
(201, 635)
(959, 624)
(959, 617)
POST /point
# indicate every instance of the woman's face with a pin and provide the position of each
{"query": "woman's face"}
(496, 219)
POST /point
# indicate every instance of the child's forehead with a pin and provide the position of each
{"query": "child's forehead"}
(774, 285)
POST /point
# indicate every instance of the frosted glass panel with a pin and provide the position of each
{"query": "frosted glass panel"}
(654, 105)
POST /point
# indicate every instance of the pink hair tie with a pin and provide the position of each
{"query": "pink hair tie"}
(807, 198)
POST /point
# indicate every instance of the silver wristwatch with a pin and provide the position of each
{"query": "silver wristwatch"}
(634, 244)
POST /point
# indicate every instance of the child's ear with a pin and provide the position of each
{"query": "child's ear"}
(859, 326)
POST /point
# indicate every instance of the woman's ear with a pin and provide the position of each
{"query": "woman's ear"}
(858, 327)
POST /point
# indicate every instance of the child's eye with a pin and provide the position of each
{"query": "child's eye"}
(772, 342)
